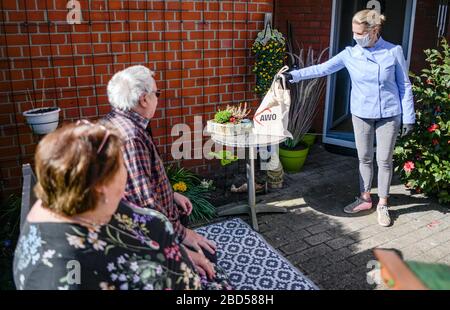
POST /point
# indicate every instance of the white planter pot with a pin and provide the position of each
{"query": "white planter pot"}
(42, 120)
(228, 129)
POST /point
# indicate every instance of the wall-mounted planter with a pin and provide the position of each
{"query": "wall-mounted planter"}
(43, 120)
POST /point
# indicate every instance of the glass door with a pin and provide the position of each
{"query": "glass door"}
(398, 29)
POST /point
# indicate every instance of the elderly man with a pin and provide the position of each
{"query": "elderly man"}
(133, 95)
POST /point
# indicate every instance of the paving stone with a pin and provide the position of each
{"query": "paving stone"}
(277, 242)
(315, 264)
(312, 252)
(338, 269)
(317, 239)
(362, 259)
(332, 248)
(340, 242)
(297, 235)
(339, 255)
(294, 247)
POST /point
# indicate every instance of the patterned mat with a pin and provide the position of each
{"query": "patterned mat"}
(250, 262)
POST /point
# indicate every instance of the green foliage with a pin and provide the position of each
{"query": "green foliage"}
(9, 232)
(202, 209)
(226, 157)
(222, 117)
(177, 175)
(198, 194)
(423, 158)
(270, 52)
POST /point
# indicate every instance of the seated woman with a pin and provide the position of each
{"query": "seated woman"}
(81, 235)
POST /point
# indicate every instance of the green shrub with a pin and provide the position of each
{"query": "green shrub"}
(423, 158)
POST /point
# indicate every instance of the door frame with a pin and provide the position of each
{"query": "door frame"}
(331, 78)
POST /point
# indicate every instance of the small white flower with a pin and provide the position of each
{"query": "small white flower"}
(159, 270)
(35, 258)
(111, 267)
(148, 287)
(124, 286)
(122, 277)
(63, 288)
(113, 276)
(22, 279)
(206, 183)
(136, 278)
(99, 245)
(47, 256)
(121, 260)
(75, 241)
(92, 237)
(134, 266)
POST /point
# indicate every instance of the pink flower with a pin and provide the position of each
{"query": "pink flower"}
(433, 128)
(409, 166)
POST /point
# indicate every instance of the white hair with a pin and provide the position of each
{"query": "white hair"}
(126, 86)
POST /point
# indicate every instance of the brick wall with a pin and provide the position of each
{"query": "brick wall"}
(311, 21)
(199, 49)
(425, 32)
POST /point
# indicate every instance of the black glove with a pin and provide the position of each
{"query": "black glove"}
(407, 129)
(288, 76)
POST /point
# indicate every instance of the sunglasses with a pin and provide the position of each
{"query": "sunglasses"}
(84, 122)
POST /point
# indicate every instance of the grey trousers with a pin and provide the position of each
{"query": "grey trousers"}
(386, 131)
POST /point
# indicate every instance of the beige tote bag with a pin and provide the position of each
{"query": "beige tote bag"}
(272, 116)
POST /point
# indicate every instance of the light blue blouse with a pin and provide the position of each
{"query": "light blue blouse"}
(380, 84)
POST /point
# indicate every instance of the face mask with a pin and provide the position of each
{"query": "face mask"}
(364, 41)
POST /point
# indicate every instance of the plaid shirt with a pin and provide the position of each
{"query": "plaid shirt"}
(147, 185)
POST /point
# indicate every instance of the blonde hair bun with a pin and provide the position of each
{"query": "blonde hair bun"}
(369, 18)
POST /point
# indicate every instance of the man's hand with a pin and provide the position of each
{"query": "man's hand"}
(407, 129)
(202, 264)
(183, 202)
(198, 242)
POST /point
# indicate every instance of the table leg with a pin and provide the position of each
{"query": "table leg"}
(251, 187)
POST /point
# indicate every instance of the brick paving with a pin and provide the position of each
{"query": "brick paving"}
(332, 248)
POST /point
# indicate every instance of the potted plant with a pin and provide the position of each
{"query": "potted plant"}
(231, 121)
(270, 52)
(42, 120)
(309, 138)
(423, 158)
(305, 98)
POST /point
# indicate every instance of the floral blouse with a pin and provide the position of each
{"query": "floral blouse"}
(137, 249)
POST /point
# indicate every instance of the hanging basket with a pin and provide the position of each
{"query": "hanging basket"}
(43, 120)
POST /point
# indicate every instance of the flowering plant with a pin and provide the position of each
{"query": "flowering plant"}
(186, 182)
(270, 51)
(180, 187)
(232, 114)
(423, 157)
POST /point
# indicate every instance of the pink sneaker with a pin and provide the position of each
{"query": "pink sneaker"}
(358, 205)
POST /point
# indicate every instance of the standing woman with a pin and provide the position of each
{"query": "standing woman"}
(381, 100)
